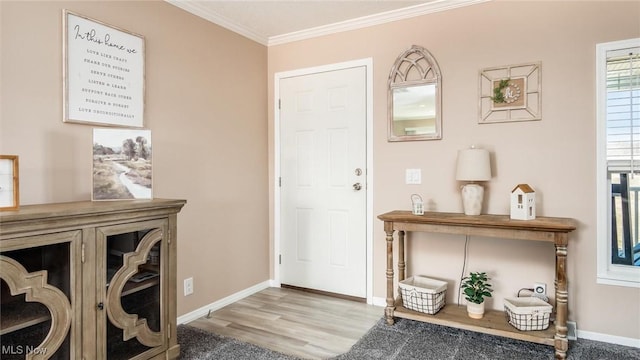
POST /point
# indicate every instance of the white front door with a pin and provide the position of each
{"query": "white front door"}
(323, 181)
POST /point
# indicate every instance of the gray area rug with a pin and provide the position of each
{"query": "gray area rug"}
(405, 340)
(199, 344)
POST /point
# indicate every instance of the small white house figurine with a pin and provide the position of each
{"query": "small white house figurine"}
(523, 202)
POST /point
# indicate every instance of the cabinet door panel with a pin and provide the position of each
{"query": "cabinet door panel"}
(133, 272)
(38, 296)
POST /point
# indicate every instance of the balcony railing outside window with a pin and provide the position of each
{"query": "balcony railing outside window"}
(625, 215)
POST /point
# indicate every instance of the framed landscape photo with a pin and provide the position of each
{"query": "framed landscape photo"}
(103, 72)
(9, 183)
(122, 167)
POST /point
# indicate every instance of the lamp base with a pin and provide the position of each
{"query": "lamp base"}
(472, 196)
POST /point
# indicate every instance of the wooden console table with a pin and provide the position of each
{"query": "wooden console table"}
(553, 230)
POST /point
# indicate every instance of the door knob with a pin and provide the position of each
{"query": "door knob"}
(357, 186)
(100, 306)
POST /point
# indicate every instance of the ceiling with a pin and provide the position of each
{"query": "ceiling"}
(272, 22)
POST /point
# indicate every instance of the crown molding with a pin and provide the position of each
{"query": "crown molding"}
(195, 8)
(371, 20)
(353, 24)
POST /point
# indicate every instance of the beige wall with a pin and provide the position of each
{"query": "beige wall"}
(206, 108)
(556, 155)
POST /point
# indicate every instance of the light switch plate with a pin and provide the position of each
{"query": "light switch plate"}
(413, 176)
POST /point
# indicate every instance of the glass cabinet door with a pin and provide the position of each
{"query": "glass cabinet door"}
(133, 272)
(37, 296)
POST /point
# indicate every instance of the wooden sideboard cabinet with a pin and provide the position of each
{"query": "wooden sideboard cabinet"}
(89, 280)
(552, 230)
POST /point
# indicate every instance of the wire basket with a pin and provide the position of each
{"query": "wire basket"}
(528, 313)
(420, 293)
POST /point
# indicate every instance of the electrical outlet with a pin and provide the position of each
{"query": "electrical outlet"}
(540, 288)
(188, 286)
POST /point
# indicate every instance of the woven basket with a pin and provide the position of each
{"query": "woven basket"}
(420, 293)
(527, 313)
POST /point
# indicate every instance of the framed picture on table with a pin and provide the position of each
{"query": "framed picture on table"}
(9, 183)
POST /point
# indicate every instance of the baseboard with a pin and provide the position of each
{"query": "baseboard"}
(378, 301)
(589, 335)
(203, 311)
(612, 339)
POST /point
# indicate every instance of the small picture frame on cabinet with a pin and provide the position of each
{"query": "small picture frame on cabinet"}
(9, 183)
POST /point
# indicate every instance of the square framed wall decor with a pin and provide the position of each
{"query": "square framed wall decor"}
(9, 183)
(510, 93)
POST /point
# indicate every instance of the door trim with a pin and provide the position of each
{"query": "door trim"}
(368, 64)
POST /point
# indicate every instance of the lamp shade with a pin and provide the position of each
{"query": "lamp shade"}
(473, 165)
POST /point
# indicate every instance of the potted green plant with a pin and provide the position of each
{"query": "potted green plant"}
(476, 287)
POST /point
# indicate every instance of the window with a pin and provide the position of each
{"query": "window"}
(618, 162)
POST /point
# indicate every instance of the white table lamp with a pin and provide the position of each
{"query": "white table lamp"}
(473, 165)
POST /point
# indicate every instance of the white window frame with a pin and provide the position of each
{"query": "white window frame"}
(607, 273)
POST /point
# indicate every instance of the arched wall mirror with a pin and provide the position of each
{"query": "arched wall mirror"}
(414, 100)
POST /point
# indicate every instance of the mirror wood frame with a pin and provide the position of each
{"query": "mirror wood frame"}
(415, 67)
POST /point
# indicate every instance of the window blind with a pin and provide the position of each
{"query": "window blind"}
(623, 110)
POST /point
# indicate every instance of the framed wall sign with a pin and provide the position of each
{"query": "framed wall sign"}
(510, 93)
(9, 183)
(103, 70)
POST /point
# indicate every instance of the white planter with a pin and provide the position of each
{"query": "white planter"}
(475, 311)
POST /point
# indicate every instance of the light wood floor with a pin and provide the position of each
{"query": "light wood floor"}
(294, 322)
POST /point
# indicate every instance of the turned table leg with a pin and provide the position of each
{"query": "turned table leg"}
(561, 342)
(388, 311)
(402, 274)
